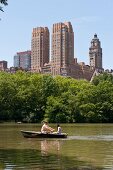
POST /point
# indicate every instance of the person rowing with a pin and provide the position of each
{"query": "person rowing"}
(46, 128)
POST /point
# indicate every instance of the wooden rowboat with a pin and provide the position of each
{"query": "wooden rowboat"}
(34, 134)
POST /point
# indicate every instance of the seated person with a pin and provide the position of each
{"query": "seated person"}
(45, 128)
(59, 130)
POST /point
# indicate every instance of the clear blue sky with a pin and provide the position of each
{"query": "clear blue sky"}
(87, 17)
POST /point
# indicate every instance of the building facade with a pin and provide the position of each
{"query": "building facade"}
(39, 48)
(62, 51)
(62, 55)
(95, 53)
(3, 65)
(17, 61)
(23, 60)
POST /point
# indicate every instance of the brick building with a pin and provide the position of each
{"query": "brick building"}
(3, 65)
(39, 48)
(62, 53)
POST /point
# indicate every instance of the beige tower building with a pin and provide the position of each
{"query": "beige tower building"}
(95, 53)
(39, 48)
(62, 53)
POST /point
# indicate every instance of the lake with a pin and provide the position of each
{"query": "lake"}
(88, 146)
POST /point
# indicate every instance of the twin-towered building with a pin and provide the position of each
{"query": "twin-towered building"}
(62, 48)
(62, 53)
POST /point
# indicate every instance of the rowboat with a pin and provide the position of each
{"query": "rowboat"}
(34, 134)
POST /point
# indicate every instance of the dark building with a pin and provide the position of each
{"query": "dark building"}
(3, 65)
(23, 60)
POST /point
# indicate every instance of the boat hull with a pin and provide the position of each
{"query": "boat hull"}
(34, 134)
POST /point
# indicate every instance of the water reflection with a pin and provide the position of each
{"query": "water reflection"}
(47, 146)
(87, 147)
(32, 159)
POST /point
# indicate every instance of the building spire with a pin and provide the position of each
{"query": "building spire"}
(95, 53)
(95, 35)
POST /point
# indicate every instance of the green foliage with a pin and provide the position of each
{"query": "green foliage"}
(102, 77)
(4, 2)
(56, 110)
(32, 97)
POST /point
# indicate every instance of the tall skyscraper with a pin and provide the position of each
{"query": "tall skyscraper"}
(62, 53)
(23, 60)
(39, 48)
(95, 53)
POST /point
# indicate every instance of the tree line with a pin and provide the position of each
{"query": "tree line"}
(32, 97)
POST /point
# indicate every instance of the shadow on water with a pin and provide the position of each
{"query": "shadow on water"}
(13, 159)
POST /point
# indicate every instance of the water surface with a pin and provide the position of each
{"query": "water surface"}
(88, 146)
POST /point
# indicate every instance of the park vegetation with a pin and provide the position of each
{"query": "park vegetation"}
(3, 2)
(32, 97)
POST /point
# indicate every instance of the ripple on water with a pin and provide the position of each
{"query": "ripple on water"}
(96, 138)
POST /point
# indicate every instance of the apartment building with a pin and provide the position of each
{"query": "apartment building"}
(39, 48)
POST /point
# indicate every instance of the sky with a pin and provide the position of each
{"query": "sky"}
(87, 17)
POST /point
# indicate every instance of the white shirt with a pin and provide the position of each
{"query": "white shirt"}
(59, 131)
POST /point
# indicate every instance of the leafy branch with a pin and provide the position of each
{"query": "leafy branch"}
(3, 2)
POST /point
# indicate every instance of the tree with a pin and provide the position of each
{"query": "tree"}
(102, 77)
(56, 110)
(4, 2)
